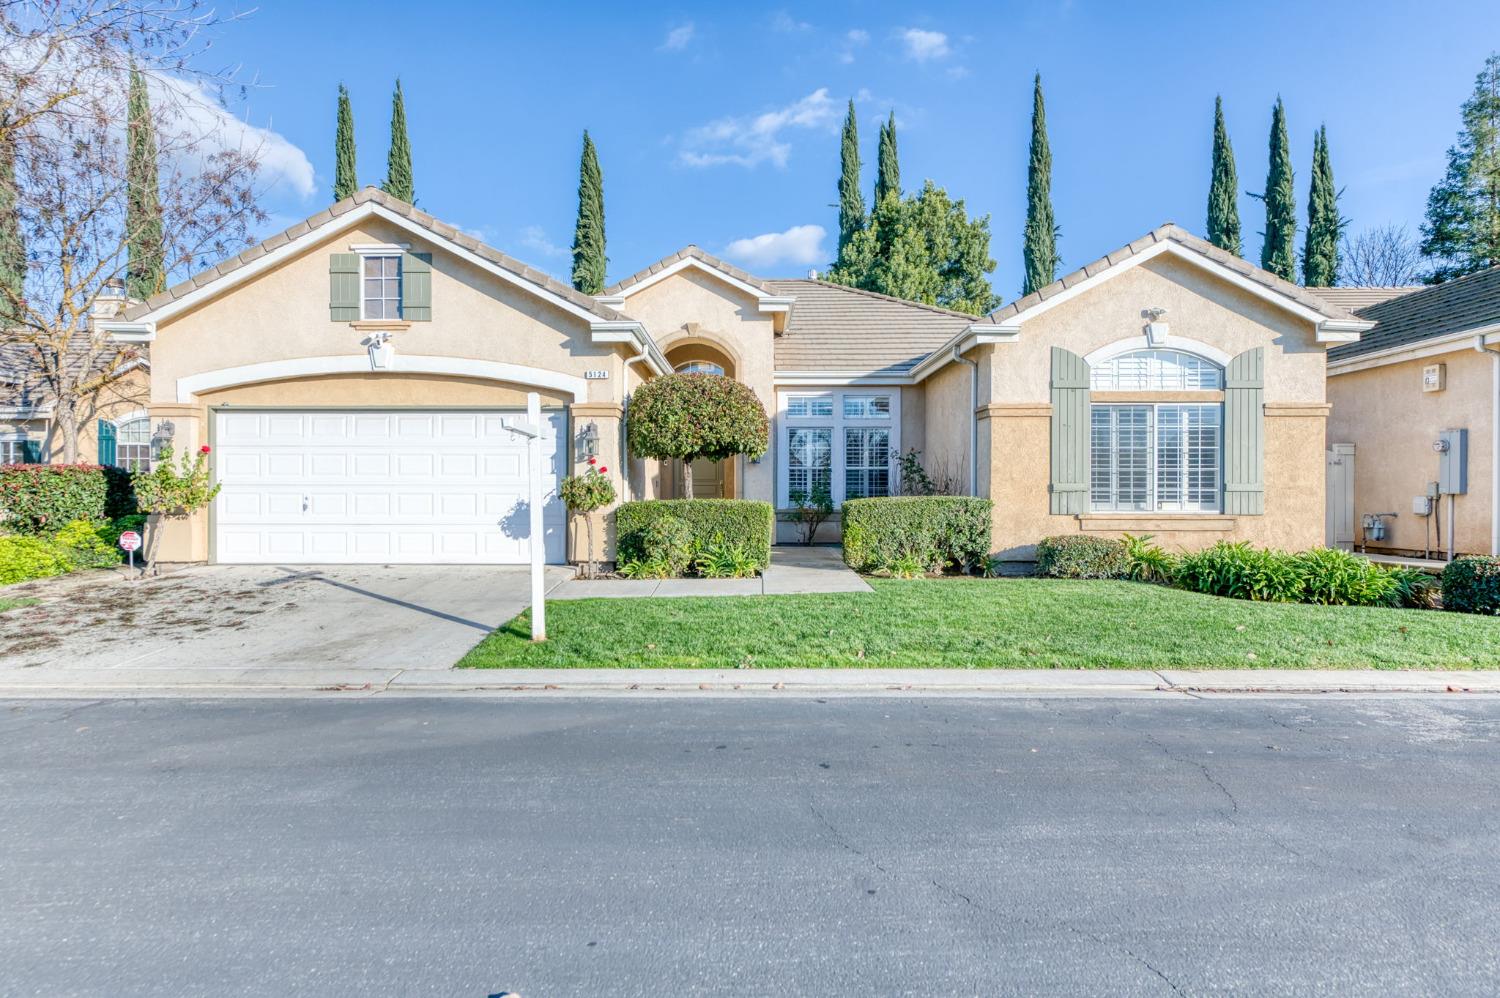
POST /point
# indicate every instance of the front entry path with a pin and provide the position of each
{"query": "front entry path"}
(794, 569)
(255, 621)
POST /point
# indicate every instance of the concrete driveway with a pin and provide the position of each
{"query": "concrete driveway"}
(264, 618)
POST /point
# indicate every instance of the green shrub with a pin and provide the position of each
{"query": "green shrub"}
(1239, 571)
(737, 521)
(668, 541)
(43, 498)
(1339, 578)
(1076, 556)
(90, 544)
(1416, 589)
(23, 558)
(935, 531)
(1147, 562)
(647, 568)
(904, 566)
(1472, 585)
(721, 560)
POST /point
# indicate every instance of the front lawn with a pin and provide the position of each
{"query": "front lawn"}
(8, 603)
(989, 623)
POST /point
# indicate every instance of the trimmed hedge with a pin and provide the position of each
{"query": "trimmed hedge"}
(1472, 585)
(1075, 556)
(933, 532)
(745, 522)
(43, 498)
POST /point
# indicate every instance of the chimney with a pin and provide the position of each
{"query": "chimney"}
(110, 301)
(812, 275)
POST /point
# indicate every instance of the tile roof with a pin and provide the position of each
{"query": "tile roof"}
(1463, 303)
(690, 252)
(834, 328)
(1355, 299)
(1175, 234)
(368, 194)
(21, 382)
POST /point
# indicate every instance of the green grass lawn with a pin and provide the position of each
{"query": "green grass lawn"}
(12, 602)
(988, 623)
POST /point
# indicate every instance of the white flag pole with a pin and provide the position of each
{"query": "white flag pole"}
(538, 531)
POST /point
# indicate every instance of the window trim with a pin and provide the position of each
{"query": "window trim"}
(382, 253)
(836, 423)
(1152, 457)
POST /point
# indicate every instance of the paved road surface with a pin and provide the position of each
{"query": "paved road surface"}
(750, 847)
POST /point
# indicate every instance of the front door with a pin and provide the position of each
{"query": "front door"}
(708, 480)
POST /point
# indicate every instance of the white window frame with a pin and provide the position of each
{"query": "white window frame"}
(836, 423)
(1153, 449)
(697, 366)
(10, 447)
(1151, 357)
(382, 250)
(120, 424)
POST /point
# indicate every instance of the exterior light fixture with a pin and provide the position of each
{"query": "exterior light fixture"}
(588, 440)
(1156, 330)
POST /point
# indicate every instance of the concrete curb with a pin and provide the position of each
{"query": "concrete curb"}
(1175, 683)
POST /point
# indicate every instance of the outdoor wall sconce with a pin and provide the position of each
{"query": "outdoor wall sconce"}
(1156, 330)
(588, 441)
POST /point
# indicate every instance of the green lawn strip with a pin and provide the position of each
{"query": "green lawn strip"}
(988, 623)
(14, 602)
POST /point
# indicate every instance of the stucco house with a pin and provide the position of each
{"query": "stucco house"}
(355, 376)
(1413, 445)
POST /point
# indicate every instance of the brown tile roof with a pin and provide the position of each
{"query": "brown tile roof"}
(367, 194)
(1355, 299)
(1451, 307)
(1173, 233)
(834, 328)
(690, 252)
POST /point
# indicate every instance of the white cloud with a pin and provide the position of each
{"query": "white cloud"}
(678, 38)
(853, 38)
(923, 46)
(787, 24)
(534, 237)
(801, 245)
(751, 140)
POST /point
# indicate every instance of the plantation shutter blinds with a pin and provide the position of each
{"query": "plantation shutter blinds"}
(107, 448)
(416, 287)
(1244, 433)
(1070, 432)
(343, 287)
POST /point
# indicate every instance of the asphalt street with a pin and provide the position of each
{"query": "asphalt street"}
(755, 846)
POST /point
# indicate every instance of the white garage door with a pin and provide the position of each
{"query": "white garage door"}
(384, 487)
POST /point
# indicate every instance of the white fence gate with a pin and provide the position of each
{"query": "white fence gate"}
(1339, 521)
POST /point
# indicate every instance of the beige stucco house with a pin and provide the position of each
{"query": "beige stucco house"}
(357, 375)
(1425, 377)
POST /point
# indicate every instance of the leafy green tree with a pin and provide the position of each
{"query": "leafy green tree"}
(12, 242)
(1224, 190)
(1462, 231)
(685, 417)
(851, 201)
(145, 273)
(1320, 251)
(398, 179)
(1039, 247)
(1278, 250)
(888, 163)
(345, 179)
(588, 234)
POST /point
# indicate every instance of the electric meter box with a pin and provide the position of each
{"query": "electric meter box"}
(1453, 462)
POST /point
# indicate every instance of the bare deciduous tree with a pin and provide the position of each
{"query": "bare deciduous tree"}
(1386, 256)
(63, 90)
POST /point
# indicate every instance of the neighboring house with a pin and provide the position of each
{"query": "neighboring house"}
(1430, 364)
(356, 374)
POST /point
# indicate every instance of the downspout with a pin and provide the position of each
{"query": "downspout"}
(973, 419)
(625, 418)
(1483, 347)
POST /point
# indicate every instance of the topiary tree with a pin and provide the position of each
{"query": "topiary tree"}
(173, 490)
(584, 494)
(685, 417)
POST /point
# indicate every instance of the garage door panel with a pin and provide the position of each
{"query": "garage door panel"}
(284, 464)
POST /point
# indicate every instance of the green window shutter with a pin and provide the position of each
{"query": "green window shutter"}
(31, 452)
(343, 287)
(107, 443)
(1245, 433)
(416, 287)
(1070, 432)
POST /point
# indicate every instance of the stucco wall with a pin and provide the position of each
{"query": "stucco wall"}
(1015, 408)
(1393, 423)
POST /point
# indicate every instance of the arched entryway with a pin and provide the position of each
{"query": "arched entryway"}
(711, 479)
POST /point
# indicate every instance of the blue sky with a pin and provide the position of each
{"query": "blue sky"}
(718, 124)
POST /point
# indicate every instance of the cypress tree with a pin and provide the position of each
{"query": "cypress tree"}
(888, 165)
(588, 234)
(1224, 190)
(345, 180)
(851, 201)
(398, 178)
(1278, 251)
(1320, 253)
(12, 243)
(144, 272)
(1039, 247)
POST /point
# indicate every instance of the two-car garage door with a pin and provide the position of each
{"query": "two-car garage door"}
(389, 486)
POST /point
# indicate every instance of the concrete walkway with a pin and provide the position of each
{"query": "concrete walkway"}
(793, 569)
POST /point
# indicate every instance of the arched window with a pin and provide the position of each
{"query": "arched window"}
(700, 367)
(1156, 370)
(133, 444)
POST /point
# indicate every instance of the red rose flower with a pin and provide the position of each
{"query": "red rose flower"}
(204, 449)
(593, 460)
(603, 471)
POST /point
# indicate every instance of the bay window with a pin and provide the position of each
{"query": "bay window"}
(846, 441)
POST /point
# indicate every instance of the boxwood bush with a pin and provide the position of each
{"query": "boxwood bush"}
(933, 532)
(43, 498)
(743, 522)
(1472, 585)
(1077, 556)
